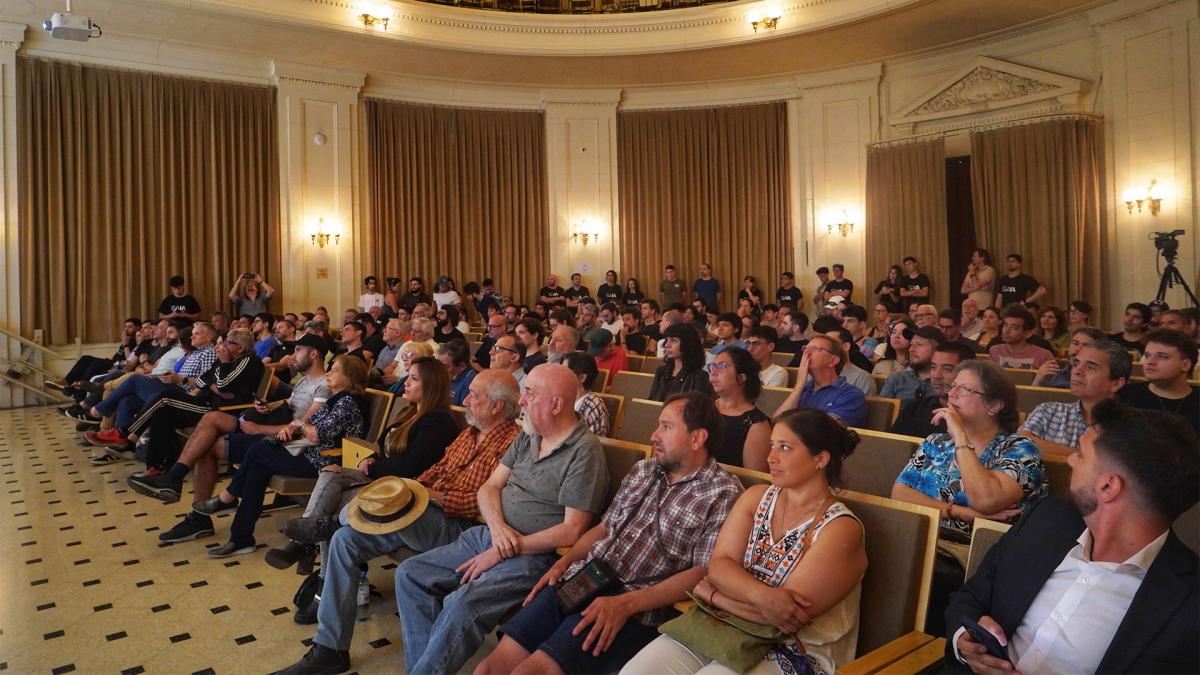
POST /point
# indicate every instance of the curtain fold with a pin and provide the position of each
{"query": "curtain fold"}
(457, 191)
(906, 212)
(705, 185)
(127, 178)
(1037, 191)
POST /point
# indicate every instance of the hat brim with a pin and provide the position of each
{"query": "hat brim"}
(356, 520)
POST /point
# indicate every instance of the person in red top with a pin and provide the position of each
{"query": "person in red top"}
(609, 356)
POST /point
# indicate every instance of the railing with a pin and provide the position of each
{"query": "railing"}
(31, 361)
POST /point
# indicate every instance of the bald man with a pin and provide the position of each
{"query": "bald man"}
(545, 493)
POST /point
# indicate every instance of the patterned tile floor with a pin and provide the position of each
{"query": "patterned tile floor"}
(87, 588)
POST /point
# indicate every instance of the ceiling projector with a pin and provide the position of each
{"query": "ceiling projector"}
(67, 26)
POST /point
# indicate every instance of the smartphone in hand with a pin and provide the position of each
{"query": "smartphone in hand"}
(984, 637)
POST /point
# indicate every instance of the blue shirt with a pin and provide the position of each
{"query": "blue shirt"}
(905, 384)
(706, 290)
(264, 347)
(460, 386)
(841, 399)
(721, 346)
(933, 470)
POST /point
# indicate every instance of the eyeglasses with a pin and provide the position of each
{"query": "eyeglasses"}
(964, 389)
(815, 348)
(498, 348)
(712, 368)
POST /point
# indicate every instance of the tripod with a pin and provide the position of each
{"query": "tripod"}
(1170, 277)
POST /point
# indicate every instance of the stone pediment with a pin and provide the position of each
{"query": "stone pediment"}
(986, 91)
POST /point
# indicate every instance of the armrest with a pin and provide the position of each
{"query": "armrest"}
(887, 655)
(923, 659)
(352, 452)
(230, 408)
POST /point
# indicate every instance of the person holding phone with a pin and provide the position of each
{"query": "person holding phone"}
(1098, 582)
(250, 294)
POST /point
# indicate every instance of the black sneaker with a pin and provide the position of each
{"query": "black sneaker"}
(311, 530)
(319, 660)
(308, 615)
(213, 506)
(159, 487)
(231, 548)
(193, 526)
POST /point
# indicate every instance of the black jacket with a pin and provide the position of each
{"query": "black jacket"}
(1159, 632)
(239, 378)
(427, 441)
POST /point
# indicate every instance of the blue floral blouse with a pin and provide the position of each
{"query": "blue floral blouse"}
(933, 470)
(341, 416)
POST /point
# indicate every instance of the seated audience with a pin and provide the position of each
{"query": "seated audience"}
(950, 323)
(497, 327)
(760, 342)
(916, 416)
(610, 317)
(790, 556)
(1052, 327)
(630, 335)
(448, 319)
(1098, 582)
(926, 315)
(588, 406)
(372, 337)
(86, 367)
(892, 356)
(1135, 323)
(603, 348)
(683, 363)
(409, 352)
(264, 335)
(729, 333)
(819, 384)
(791, 333)
(879, 329)
(455, 356)
(1016, 351)
(746, 431)
(657, 535)
(854, 375)
(383, 371)
(507, 356)
(906, 384)
(530, 333)
(1168, 362)
(980, 468)
(854, 320)
(1098, 372)
(544, 494)
(351, 340)
(970, 325)
(1079, 315)
(1180, 320)
(990, 333)
(1052, 374)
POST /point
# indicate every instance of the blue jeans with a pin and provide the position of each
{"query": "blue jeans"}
(128, 399)
(349, 548)
(444, 621)
(263, 459)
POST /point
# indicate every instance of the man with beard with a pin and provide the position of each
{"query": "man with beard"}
(1098, 583)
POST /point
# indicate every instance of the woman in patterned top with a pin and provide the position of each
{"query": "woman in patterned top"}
(588, 406)
(342, 415)
(980, 468)
(794, 525)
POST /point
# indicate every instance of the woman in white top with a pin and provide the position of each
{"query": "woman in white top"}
(796, 524)
(444, 293)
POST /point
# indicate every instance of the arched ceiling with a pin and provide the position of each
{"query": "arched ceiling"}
(325, 34)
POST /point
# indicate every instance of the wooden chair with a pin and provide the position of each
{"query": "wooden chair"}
(459, 414)
(1029, 398)
(635, 362)
(620, 457)
(879, 458)
(378, 412)
(601, 382)
(651, 364)
(638, 421)
(771, 398)
(1022, 376)
(1058, 475)
(615, 407)
(879, 381)
(792, 374)
(631, 385)
(984, 534)
(881, 412)
(782, 359)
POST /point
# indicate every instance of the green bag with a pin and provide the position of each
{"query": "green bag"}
(727, 639)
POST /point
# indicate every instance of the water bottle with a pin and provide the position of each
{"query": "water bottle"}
(364, 596)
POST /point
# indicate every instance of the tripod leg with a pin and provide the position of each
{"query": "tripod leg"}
(1177, 278)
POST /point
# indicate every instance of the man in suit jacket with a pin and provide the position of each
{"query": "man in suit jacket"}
(1099, 583)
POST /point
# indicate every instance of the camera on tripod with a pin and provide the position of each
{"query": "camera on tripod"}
(1168, 243)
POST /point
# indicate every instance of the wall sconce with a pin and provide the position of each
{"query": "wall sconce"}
(1139, 196)
(585, 234)
(321, 237)
(374, 15)
(765, 22)
(844, 228)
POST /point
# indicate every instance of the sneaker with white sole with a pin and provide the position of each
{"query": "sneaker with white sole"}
(231, 548)
(193, 526)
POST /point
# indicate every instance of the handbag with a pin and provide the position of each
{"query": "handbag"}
(298, 446)
(729, 639)
(596, 578)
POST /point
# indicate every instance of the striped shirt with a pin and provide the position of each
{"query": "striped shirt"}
(466, 466)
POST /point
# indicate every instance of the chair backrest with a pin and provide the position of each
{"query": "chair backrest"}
(601, 382)
(984, 534)
(615, 407)
(1058, 475)
(880, 456)
(881, 412)
(782, 359)
(792, 374)
(459, 414)
(264, 384)
(1029, 398)
(635, 362)
(631, 385)
(651, 364)
(620, 457)
(1187, 528)
(1023, 376)
(880, 380)
(748, 477)
(771, 398)
(639, 420)
(901, 547)
(379, 409)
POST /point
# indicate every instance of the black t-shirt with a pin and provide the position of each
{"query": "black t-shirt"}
(885, 290)
(573, 293)
(374, 344)
(609, 293)
(410, 300)
(635, 343)
(1119, 338)
(442, 338)
(633, 298)
(1138, 395)
(914, 284)
(789, 346)
(916, 417)
(483, 355)
(547, 292)
(844, 288)
(1016, 289)
(788, 296)
(746, 294)
(651, 331)
(186, 304)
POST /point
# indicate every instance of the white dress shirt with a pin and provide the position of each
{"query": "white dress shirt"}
(1070, 624)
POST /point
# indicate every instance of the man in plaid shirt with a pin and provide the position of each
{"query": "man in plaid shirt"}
(453, 483)
(657, 535)
(1098, 372)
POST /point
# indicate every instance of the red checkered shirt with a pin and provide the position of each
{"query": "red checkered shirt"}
(467, 466)
(657, 529)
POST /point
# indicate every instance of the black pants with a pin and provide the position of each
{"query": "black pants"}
(163, 415)
(87, 367)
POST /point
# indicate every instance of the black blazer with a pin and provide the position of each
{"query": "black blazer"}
(1159, 632)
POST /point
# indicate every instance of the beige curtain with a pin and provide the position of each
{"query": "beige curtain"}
(705, 185)
(127, 178)
(906, 212)
(1037, 190)
(458, 192)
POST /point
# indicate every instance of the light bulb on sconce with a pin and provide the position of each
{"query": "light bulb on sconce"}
(373, 15)
(767, 18)
(321, 235)
(1150, 195)
(845, 227)
(583, 233)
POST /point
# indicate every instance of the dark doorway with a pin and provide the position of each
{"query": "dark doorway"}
(960, 223)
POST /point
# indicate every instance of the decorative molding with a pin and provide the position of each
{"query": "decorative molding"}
(318, 75)
(989, 91)
(12, 34)
(601, 97)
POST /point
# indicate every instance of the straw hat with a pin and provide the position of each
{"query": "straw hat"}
(387, 505)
